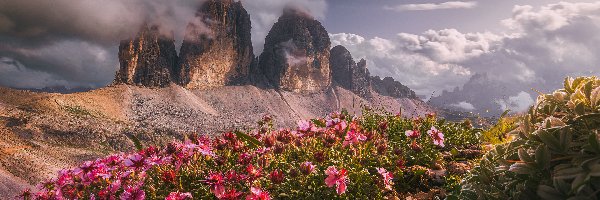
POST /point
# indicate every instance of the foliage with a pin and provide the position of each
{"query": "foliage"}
(376, 156)
(555, 153)
(498, 133)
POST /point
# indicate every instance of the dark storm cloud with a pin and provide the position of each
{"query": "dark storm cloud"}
(73, 43)
(38, 22)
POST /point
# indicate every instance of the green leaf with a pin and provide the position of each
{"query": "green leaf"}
(504, 114)
(527, 123)
(587, 121)
(568, 85)
(568, 173)
(547, 192)
(565, 140)
(521, 168)
(253, 142)
(587, 89)
(135, 140)
(549, 139)
(524, 156)
(318, 123)
(542, 156)
(589, 163)
(561, 186)
(579, 181)
(580, 108)
(595, 97)
(454, 152)
(595, 170)
(576, 82)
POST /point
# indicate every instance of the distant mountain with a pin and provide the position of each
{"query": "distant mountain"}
(469, 98)
(59, 89)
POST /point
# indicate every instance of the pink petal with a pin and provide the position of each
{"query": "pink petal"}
(341, 189)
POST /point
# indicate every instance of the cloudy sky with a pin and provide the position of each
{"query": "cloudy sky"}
(429, 45)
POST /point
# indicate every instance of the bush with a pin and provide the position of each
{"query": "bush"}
(555, 153)
(376, 156)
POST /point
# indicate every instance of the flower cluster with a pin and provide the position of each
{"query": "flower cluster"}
(340, 156)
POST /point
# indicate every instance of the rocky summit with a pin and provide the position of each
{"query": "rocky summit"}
(348, 74)
(147, 60)
(390, 87)
(296, 53)
(217, 47)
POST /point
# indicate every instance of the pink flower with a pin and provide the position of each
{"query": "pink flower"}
(179, 196)
(437, 136)
(230, 194)
(304, 125)
(387, 178)
(215, 181)
(307, 168)
(413, 133)
(135, 161)
(336, 123)
(353, 137)
(337, 178)
(258, 194)
(133, 193)
(253, 171)
(277, 176)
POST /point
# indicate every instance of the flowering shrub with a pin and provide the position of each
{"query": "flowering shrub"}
(375, 156)
(555, 153)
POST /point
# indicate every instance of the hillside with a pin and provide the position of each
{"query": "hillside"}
(44, 132)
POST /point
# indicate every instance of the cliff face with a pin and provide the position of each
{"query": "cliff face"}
(348, 74)
(148, 60)
(296, 54)
(217, 48)
(389, 87)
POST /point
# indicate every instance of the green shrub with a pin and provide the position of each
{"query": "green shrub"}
(555, 153)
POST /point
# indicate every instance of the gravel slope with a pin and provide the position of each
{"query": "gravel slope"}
(41, 133)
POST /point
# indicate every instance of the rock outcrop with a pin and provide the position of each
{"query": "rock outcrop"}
(348, 74)
(217, 48)
(389, 87)
(296, 53)
(148, 60)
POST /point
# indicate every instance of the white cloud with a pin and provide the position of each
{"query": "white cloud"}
(518, 103)
(463, 105)
(433, 6)
(542, 47)
(406, 58)
(264, 13)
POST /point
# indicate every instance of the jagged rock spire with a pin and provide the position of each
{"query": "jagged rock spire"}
(217, 48)
(296, 53)
(147, 60)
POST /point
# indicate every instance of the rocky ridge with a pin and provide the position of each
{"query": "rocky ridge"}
(217, 51)
(390, 87)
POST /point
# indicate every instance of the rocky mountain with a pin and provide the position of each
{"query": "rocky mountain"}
(42, 132)
(468, 97)
(390, 87)
(348, 74)
(296, 53)
(147, 60)
(217, 48)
